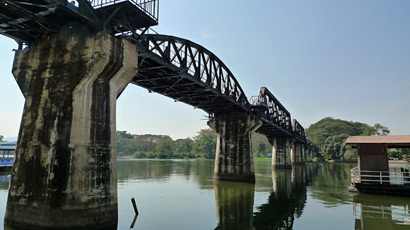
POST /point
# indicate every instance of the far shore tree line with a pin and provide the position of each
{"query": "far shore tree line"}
(329, 134)
(164, 147)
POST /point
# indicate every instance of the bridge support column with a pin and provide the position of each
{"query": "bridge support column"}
(234, 159)
(65, 172)
(308, 154)
(299, 157)
(293, 153)
(281, 153)
(297, 154)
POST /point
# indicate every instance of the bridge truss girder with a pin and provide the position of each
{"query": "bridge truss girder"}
(187, 72)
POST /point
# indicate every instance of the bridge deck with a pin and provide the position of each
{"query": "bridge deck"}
(127, 16)
(28, 20)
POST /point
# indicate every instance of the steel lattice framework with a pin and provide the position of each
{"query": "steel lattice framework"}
(276, 118)
(298, 131)
(188, 72)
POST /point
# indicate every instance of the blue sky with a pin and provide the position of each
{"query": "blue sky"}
(347, 59)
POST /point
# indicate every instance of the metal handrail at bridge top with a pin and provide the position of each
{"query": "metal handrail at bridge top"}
(151, 7)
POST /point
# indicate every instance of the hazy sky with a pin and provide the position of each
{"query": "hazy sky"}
(347, 59)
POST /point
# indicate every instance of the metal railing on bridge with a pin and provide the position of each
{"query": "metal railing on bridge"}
(150, 7)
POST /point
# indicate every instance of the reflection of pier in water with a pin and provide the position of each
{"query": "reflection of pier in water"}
(378, 213)
(234, 201)
(234, 205)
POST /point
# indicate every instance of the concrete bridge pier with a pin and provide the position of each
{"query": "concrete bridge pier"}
(304, 154)
(64, 175)
(281, 152)
(234, 159)
(307, 153)
(297, 156)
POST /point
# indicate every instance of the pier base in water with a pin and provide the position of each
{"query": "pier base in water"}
(297, 154)
(281, 156)
(234, 159)
(64, 174)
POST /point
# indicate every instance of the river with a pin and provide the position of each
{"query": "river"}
(181, 194)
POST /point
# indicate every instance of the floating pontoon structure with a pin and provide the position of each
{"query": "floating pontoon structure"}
(373, 174)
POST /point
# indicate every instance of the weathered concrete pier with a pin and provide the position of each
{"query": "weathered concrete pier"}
(281, 153)
(71, 82)
(233, 159)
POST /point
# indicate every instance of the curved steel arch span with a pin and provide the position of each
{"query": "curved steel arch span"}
(188, 72)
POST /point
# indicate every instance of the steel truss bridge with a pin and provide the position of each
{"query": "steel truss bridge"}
(171, 66)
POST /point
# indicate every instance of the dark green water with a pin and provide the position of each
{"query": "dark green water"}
(181, 194)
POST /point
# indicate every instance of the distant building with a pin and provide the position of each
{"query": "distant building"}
(7, 151)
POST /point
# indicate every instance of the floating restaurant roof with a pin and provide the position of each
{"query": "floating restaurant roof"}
(396, 141)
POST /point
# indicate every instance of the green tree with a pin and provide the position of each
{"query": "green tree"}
(328, 126)
(330, 135)
(165, 148)
(124, 134)
(333, 147)
(261, 150)
(350, 153)
(257, 140)
(205, 143)
(129, 144)
(184, 145)
(379, 130)
(1, 138)
(400, 154)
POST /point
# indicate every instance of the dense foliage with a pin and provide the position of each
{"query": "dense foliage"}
(331, 134)
(260, 145)
(399, 154)
(161, 146)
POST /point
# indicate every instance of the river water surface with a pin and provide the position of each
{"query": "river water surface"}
(182, 195)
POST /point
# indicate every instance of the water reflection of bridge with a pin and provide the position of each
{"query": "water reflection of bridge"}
(235, 201)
